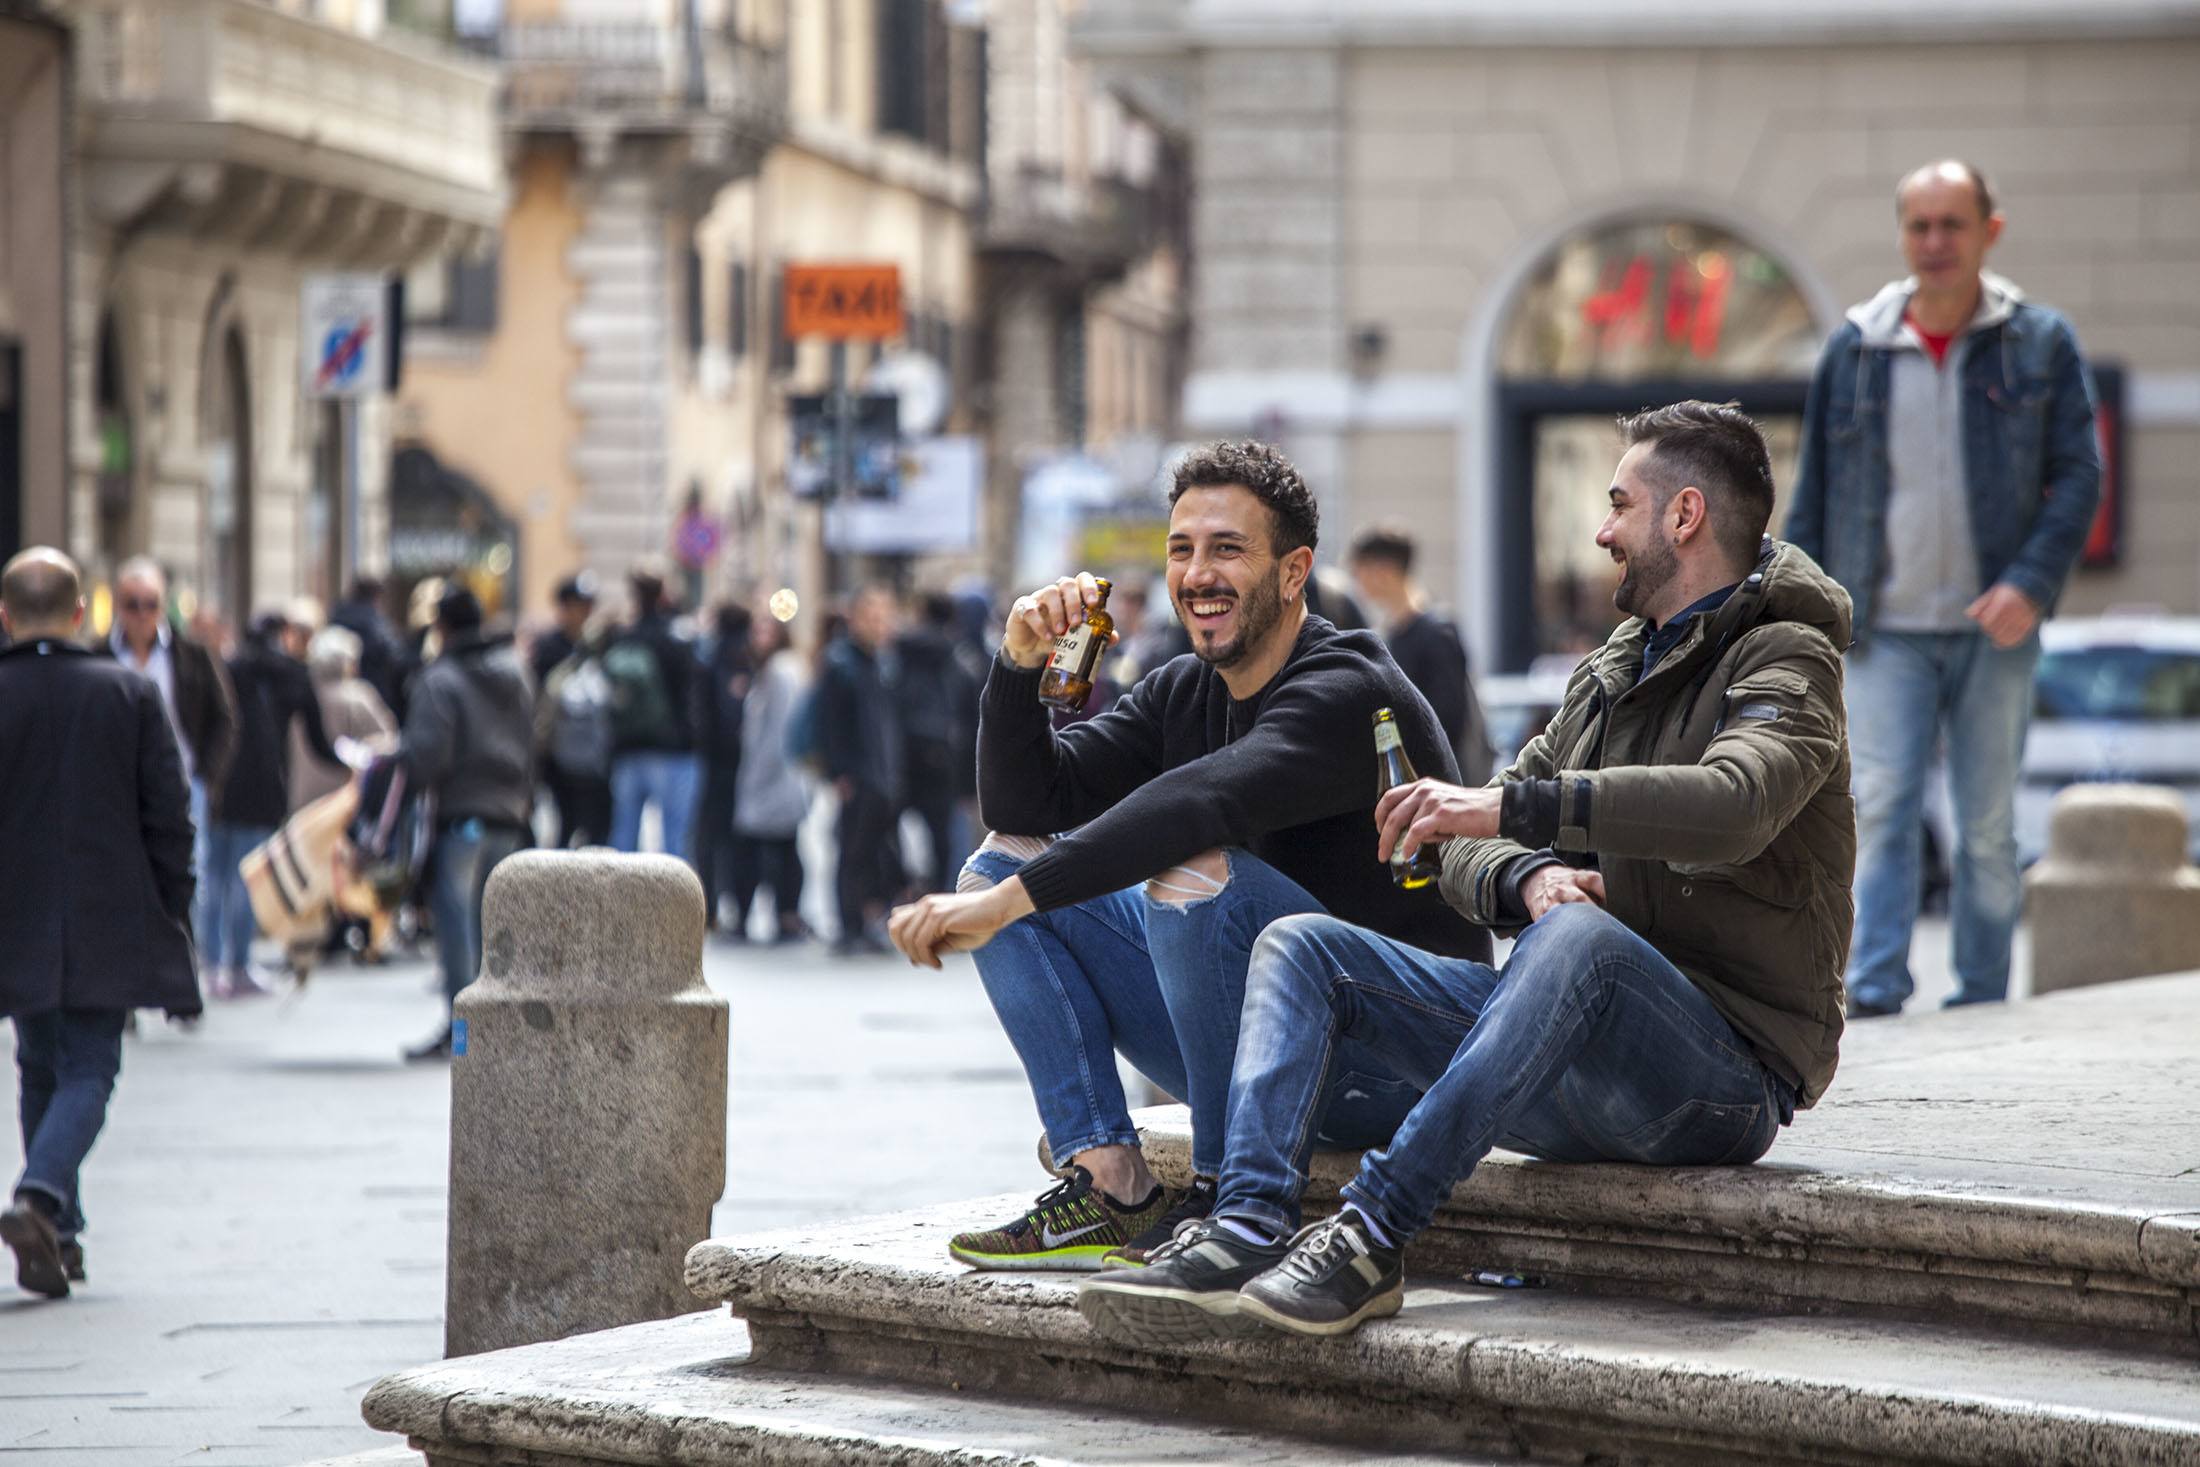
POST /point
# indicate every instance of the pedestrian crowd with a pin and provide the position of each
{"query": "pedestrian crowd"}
(1708, 857)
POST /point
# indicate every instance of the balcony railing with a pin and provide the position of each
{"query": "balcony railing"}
(1100, 226)
(394, 100)
(569, 71)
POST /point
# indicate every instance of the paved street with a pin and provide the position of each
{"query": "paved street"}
(267, 1202)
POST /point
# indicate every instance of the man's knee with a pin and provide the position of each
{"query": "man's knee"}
(1199, 879)
(1579, 930)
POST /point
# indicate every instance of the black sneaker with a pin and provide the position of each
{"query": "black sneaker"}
(27, 1229)
(1192, 1204)
(1186, 1290)
(1070, 1227)
(1335, 1280)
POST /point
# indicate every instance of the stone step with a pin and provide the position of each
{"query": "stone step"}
(685, 1393)
(2035, 1163)
(1544, 1374)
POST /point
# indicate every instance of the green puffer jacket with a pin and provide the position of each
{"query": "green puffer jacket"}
(1714, 796)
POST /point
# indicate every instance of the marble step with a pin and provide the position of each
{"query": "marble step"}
(1543, 1374)
(685, 1393)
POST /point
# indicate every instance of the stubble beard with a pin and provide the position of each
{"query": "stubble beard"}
(1646, 575)
(1259, 609)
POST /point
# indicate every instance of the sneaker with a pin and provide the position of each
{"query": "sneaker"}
(27, 1229)
(1186, 1290)
(1069, 1228)
(1336, 1278)
(1192, 1204)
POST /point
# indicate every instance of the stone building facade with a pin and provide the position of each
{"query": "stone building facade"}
(1425, 231)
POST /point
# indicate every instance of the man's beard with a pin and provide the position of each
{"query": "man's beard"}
(1258, 611)
(1645, 576)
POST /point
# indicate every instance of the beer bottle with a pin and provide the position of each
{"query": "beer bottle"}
(1067, 682)
(1393, 768)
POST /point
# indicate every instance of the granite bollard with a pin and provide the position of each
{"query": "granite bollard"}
(2114, 896)
(588, 1101)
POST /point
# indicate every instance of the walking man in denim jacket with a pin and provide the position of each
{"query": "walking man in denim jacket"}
(1949, 474)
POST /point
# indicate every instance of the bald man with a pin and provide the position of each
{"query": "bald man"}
(1949, 475)
(95, 892)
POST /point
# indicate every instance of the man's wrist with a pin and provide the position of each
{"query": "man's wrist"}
(1010, 659)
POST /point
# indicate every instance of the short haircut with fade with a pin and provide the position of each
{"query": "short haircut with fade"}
(1385, 543)
(1259, 469)
(1717, 449)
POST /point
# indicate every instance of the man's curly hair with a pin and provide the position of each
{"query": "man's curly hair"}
(1259, 468)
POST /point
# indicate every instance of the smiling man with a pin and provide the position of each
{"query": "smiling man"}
(1677, 845)
(1228, 788)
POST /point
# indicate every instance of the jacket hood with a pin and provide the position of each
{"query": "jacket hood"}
(1880, 318)
(1788, 586)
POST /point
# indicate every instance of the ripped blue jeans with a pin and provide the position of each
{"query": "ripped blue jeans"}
(1157, 973)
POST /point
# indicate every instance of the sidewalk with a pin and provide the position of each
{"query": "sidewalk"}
(267, 1203)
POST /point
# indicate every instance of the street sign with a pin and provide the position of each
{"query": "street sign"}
(844, 302)
(874, 447)
(343, 334)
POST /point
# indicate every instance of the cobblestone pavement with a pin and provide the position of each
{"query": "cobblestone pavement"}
(268, 1200)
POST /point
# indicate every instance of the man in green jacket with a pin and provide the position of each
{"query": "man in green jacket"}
(1678, 845)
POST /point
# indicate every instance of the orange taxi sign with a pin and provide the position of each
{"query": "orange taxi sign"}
(844, 302)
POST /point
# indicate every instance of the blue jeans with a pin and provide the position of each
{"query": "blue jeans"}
(465, 853)
(67, 1060)
(671, 782)
(226, 924)
(1163, 983)
(1588, 1046)
(1907, 691)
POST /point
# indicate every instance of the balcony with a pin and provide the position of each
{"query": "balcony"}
(1096, 230)
(722, 99)
(231, 120)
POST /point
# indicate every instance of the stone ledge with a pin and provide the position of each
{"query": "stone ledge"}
(1545, 1374)
(684, 1393)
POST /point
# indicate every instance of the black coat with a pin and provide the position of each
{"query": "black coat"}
(272, 689)
(206, 707)
(95, 839)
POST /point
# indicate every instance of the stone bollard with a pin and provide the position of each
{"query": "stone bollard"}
(2113, 897)
(588, 1101)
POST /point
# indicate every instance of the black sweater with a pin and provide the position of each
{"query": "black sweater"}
(1177, 767)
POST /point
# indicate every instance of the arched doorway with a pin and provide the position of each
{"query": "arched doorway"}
(228, 563)
(1617, 316)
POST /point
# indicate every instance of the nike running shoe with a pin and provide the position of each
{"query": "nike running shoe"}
(1192, 1204)
(1187, 1289)
(1070, 1228)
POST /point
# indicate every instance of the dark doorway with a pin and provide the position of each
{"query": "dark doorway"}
(1555, 450)
(229, 482)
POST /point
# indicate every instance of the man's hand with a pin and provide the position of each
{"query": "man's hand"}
(1035, 620)
(1553, 886)
(2005, 614)
(1428, 810)
(955, 922)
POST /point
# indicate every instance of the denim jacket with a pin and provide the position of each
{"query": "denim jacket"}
(2032, 464)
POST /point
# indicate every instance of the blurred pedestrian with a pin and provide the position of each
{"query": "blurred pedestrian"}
(726, 672)
(1425, 645)
(652, 668)
(469, 738)
(302, 619)
(938, 700)
(576, 774)
(859, 721)
(350, 709)
(381, 653)
(95, 894)
(772, 794)
(273, 691)
(1948, 478)
(194, 688)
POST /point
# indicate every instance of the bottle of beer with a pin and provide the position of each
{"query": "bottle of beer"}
(1393, 768)
(1067, 682)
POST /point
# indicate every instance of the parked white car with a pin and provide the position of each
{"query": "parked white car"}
(2117, 699)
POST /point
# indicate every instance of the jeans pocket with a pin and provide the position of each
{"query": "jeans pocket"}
(1696, 1133)
(1363, 1110)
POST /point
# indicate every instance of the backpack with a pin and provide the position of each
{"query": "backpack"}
(642, 714)
(806, 727)
(582, 731)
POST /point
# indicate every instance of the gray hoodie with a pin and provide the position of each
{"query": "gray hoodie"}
(1932, 556)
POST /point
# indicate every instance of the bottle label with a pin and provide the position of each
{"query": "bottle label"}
(1386, 735)
(1069, 649)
